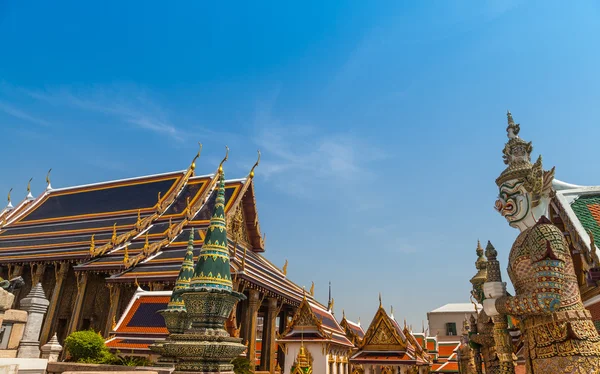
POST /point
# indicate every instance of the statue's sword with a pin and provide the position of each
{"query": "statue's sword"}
(502, 337)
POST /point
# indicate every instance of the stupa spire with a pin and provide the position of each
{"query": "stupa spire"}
(185, 275)
(212, 269)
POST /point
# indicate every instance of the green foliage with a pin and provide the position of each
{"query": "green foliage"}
(241, 365)
(84, 346)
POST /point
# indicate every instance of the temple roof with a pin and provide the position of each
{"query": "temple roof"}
(385, 342)
(140, 325)
(579, 207)
(313, 322)
(456, 308)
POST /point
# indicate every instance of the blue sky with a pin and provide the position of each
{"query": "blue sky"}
(381, 123)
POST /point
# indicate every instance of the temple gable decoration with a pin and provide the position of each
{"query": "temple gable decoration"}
(383, 333)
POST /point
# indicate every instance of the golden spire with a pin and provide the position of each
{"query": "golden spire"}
(224, 159)
(92, 245)
(285, 268)
(48, 184)
(113, 239)
(126, 255)
(251, 175)
(193, 165)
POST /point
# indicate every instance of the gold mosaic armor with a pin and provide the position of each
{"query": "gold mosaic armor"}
(560, 336)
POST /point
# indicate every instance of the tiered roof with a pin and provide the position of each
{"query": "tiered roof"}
(387, 343)
(313, 322)
(354, 331)
(446, 361)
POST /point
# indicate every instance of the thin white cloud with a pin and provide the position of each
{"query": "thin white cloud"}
(20, 114)
(126, 103)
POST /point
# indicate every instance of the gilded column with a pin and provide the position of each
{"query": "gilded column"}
(82, 278)
(267, 357)
(115, 295)
(253, 306)
(16, 271)
(60, 273)
(37, 272)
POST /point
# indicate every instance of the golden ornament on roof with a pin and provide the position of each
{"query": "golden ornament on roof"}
(255, 165)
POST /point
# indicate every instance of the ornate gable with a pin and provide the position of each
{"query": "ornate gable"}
(382, 334)
(303, 318)
(237, 226)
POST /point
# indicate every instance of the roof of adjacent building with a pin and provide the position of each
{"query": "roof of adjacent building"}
(456, 308)
(386, 342)
(314, 322)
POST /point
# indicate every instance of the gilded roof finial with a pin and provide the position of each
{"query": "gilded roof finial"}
(48, 184)
(113, 239)
(304, 292)
(29, 195)
(139, 219)
(331, 306)
(285, 268)
(224, 159)
(126, 255)
(9, 205)
(255, 165)
(312, 289)
(136, 283)
(380, 303)
(343, 314)
(92, 245)
(146, 244)
(193, 165)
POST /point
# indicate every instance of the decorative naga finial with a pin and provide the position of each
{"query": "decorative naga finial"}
(146, 244)
(312, 289)
(224, 159)
(251, 175)
(48, 184)
(29, 195)
(138, 223)
(9, 205)
(285, 268)
(512, 131)
(331, 306)
(193, 165)
(126, 254)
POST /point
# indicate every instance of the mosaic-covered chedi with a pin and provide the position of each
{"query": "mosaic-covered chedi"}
(559, 334)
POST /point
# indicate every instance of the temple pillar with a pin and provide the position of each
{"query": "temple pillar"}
(282, 326)
(115, 294)
(253, 306)
(267, 357)
(82, 280)
(60, 276)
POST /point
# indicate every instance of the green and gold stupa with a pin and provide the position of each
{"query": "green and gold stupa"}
(204, 346)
